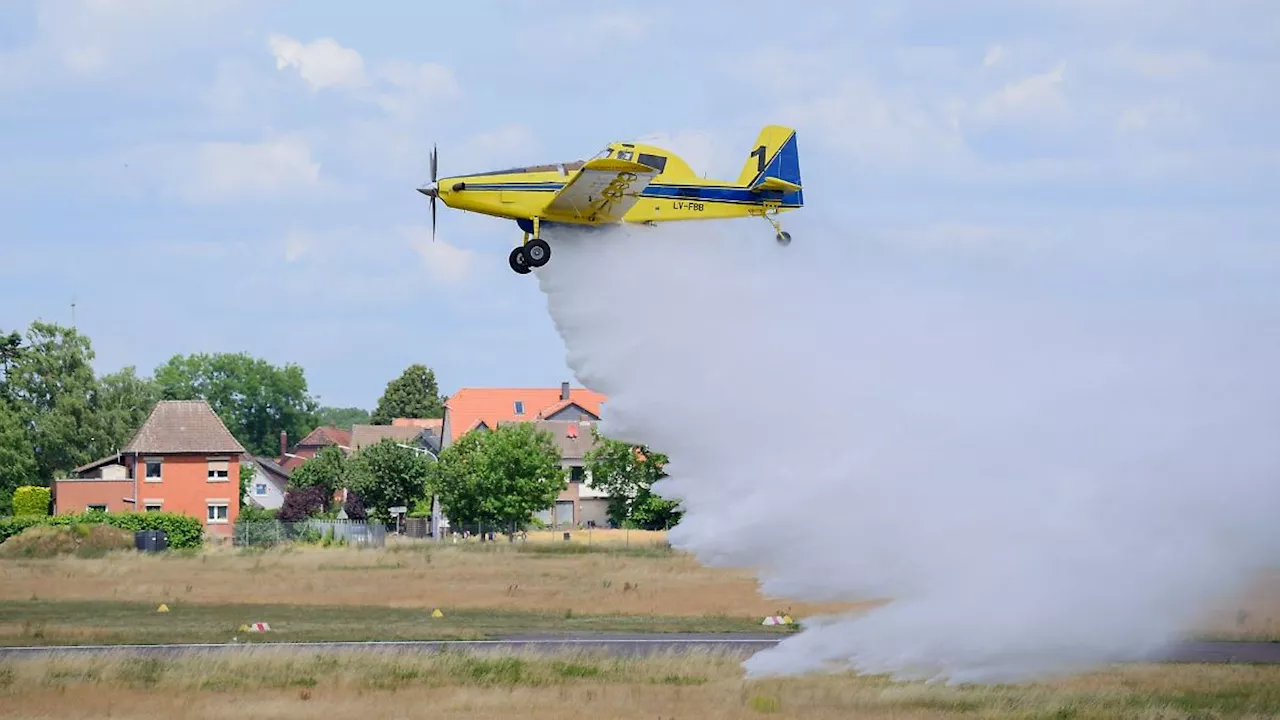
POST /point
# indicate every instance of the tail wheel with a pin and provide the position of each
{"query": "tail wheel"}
(518, 261)
(784, 238)
(537, 252)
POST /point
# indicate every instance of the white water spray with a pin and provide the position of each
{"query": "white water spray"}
(1041, 473)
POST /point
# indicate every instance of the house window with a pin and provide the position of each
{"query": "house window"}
(219, 470)
(260, 489)
(575, 474)
(152, 506)
(519, 407)
(153, 469)
(98, 508)
(217, 512)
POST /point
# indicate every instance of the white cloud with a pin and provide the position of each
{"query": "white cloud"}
(631, 26)
(217, 172)
(877, 128)
(1033, 97)
(416, 89)
(90, 37)
(706, 153)
(404, 90)
(1131, 119)
(297, 244)
(322, 63)
(228, 170)
(445, 264)
(505, 146)
(1176, 65)
(994, 55)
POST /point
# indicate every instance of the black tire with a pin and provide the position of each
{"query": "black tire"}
(518, 261)
(537, 253)
(784, 238)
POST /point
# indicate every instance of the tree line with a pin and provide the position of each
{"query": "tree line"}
(496, 479)
(57, 414)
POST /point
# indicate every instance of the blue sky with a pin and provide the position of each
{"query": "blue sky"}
(238, 175)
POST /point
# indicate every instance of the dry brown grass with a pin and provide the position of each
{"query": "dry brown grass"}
(1250, 615)
(633, 577)
(599, 536)
(708, 687)
(500, 578)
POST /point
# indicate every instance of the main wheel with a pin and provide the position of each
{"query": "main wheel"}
(537, 252)
(518, 261)
(784, 238)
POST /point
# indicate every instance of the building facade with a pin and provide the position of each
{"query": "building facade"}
(182, 460)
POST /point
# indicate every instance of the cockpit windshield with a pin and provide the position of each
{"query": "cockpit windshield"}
(624, 153)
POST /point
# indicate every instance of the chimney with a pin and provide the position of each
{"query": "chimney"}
(284, 444)
(564, 391)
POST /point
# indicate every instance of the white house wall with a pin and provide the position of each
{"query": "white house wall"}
(273, 498)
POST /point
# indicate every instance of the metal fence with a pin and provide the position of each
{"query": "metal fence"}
(350, 533)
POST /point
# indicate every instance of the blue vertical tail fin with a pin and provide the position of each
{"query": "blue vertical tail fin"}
(773, 168)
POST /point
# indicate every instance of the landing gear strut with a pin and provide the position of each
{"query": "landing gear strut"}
(783, 237)
(531, 253)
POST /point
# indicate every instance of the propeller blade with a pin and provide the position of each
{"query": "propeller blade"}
(433, 163)
(433, 218)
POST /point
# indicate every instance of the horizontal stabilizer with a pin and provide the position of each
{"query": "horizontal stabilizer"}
(775, 184)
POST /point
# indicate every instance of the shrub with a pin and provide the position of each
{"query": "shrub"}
(30, 500)
(183, 531)
(354, 507)
(46, 541)
(302, 503)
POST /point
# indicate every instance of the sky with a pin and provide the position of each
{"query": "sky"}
(238, 175)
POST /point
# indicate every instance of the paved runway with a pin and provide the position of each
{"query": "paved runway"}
(612, 643)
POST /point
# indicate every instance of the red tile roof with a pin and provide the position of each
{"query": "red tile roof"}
(430, 423)
(326, 435)
(471, 406)
(183, 426)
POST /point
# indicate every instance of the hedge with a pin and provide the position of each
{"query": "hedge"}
(183, 531)
(31, 500)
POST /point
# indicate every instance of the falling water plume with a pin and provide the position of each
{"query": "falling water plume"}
(1043, 465)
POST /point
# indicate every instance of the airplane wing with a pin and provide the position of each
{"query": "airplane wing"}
(602, 190)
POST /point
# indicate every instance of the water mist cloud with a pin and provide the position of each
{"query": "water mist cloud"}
(1043, 468)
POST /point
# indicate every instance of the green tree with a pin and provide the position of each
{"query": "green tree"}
(386, 475)
(10, 348)
(329, 470)
(121, 403)
(414, 394)
(51, 386)
(627, 473)
(17, 459)
(343, 417)
(499, 478)
(256, 399)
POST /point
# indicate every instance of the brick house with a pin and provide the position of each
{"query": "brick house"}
(578, 504)
(484, 408)
(182, 460)
(311, 445)
(568, 413)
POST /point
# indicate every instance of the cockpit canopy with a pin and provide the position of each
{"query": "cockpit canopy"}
(627, 151)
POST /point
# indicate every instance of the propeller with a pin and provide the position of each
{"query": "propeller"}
(431, 191)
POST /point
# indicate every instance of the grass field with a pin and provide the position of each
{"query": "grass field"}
(484, 589)
(708, 687)
(100, 622)
(608, 580)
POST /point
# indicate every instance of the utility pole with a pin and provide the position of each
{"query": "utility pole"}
(73, 311)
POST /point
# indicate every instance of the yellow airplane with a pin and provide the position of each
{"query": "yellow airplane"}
(625, 182)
